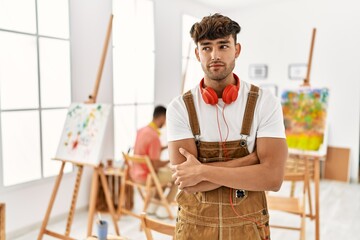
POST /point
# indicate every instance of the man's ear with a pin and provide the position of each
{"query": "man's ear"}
(237, 50)
(197, 54)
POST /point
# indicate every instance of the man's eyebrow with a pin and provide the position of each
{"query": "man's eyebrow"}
(204, 43)
(223, 42)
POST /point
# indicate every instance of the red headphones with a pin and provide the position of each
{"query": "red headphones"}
(229, 94)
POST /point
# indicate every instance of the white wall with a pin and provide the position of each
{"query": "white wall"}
(89, 22)
(279, 34)
(168, 45)
(26, 204)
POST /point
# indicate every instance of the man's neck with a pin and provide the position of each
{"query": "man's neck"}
(154, 126)
(219, 85)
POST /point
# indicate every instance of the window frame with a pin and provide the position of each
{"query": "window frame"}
(39, 109)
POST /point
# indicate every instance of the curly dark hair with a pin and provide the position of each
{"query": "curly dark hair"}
(213, 27)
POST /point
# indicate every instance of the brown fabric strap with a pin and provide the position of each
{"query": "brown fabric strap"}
(194, 123)
(249, 110)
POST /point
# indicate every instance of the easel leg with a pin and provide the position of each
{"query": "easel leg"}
(51, 203)
(311, 214)
(121, 201)
(292, 189)
(108, 198)
(317, 205)
(92, 202)
(73, 201)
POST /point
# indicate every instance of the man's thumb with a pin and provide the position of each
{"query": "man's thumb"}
(183, 152)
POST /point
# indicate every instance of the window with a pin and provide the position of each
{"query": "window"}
(192, 72)
(35, 87)
(134, 66)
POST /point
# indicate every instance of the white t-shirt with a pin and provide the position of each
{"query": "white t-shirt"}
(267, 122)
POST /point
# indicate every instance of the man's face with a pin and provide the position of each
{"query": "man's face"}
(217, 56)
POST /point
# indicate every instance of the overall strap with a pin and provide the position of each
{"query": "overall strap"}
(194, 123)
(249, 110)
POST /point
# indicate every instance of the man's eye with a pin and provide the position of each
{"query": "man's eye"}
(224, 46)
(206, 48)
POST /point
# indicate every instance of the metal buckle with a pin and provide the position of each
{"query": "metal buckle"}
(240, 193)
(197, 140)
(243, 140)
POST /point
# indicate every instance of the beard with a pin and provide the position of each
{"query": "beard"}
(218, 74)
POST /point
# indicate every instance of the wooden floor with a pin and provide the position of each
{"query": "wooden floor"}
(339, 218)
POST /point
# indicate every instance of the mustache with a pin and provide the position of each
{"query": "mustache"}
(216, 63)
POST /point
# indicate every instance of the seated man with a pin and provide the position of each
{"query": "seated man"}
(148, 143)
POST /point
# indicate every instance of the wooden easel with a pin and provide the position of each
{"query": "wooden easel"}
(98, 171)
(316, 178)
(308, 71)
(2, 221)
(314, 216)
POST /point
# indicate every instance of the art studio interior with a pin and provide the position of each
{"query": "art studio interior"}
(103, 67)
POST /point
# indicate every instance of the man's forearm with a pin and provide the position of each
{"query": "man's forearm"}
(204, 186)
(265, 176)
(248, 160)
(253, 178)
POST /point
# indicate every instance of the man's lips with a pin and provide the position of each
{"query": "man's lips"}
(216, 65)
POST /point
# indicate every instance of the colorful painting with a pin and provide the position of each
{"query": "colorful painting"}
(305, 112)
(82, 137)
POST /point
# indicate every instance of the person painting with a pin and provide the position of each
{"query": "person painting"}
(148, 143)
(226, 143)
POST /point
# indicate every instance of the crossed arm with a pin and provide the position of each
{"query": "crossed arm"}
(262, 170)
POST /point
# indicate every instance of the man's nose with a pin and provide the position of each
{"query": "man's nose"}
(215, 55)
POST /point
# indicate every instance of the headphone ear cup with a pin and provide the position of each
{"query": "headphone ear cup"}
(209, 96)
(230, 94)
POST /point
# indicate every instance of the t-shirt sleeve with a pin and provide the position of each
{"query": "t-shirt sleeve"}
(271, 121)
(177, 121)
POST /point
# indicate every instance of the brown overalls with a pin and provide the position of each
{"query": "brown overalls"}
(209, 215)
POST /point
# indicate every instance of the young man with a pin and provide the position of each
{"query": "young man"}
(226, 142)
(148, 143)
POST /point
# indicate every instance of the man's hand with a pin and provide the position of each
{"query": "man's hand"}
(187, 173)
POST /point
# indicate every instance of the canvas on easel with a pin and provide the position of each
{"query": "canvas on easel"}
(305, 112)
(83, 133)
(305, 118)
(81, 144)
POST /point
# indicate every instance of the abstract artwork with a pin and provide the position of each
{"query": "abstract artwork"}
(82, 137)
(305, 113)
